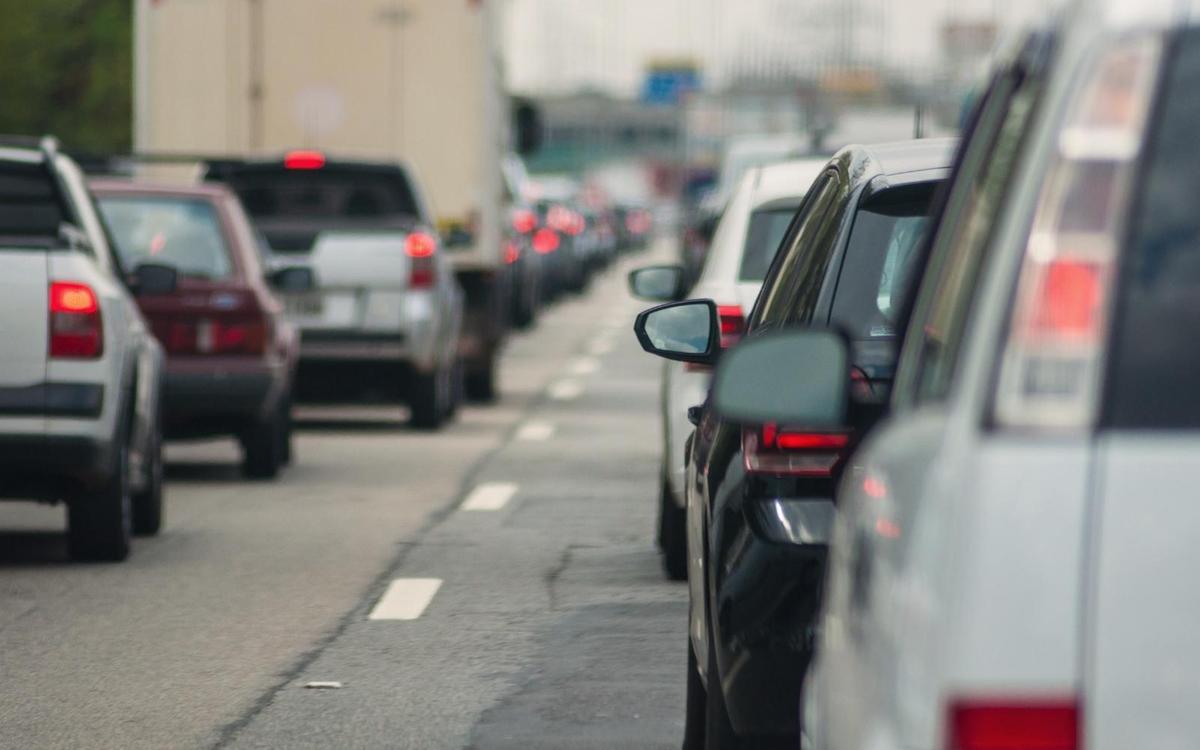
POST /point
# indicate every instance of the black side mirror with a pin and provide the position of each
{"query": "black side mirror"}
(293, 279)
(151, 279)
(682, 331)
(657, 283)
(799, 377)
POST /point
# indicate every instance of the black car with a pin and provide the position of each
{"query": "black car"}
(760, 501)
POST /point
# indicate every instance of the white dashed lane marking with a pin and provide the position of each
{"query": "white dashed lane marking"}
(585, 366)
(602, 346)
(405, 599)
(490, 496)
(535, 432)
(566, 390)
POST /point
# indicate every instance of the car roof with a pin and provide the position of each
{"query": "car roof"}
(789, 179)
(897, 162)
(207, 190)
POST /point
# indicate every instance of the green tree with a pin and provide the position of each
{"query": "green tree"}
(66, 68)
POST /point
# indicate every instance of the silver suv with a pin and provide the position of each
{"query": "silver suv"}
(80, 371)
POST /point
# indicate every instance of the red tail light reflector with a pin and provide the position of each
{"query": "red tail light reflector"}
(304, 160)
(420, 245)
(792, 453)
(733, 324)
(545, 241)
(420, 248)
(512, 253)
(240, 335)
(76, 329)
(524, 221)
(1072, 297)
(1013, 725)
(811, 441)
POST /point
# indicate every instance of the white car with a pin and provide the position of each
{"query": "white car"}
(743, 247)
(79, 369)
(1013, 562)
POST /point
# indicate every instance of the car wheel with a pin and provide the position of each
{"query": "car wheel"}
(100, 523)
(672, 534)
(261, 448)
(286, 450)
(148, 504)
(481, 386)
(693, 727)
(718, 729)
(457, 389)
(427, 399)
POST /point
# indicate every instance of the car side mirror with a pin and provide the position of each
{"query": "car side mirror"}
(799, 377)
(151, 279)
(293, 279)
(682, 331)
(657, 283)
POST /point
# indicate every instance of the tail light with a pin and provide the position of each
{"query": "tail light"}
(244, 333)
(1013, 725)
(524, 221)
(304, 160)
(733, 324)
(512, 252)
(76, 328)
(771, 450)
(420, 248)
(545, 241)
(1051, 364)
(565, 220)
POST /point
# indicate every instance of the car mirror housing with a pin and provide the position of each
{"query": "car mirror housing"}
(151, 279)
(799, 377)
(293, 279)
(682, 331)
(657, 283)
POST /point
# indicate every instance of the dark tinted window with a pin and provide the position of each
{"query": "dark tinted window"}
(182, 233)
(330, 193)
(1155, 362)
(767, 227)
(879, 261)
(30, 207)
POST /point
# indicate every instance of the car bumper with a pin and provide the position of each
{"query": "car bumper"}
(767, 610)
(353, 345)
(52, 467)
(217, 401)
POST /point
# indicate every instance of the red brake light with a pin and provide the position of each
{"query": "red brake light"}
(545, 241)
(733, 324)
(524, 221)
(304, 160)
(512, 253)
(1013, 725)
(420, 247)
(76, 329)
(1072, 293)
(792, 453)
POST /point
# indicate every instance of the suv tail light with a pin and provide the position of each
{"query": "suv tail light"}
(420, 248)
(793, 453)
(76, 328)
(1013, 725)
(733, 324)
(524, 221)
(545, 241)
(1051, 364)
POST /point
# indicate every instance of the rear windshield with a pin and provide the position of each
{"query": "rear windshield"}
(182, 233)
(30, 208)
(767, 227)
(330, 193)
(1154, 360)
(880, 257)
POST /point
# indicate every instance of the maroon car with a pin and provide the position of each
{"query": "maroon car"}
(231, 356)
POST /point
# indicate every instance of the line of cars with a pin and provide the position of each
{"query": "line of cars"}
(133, 313)
(996, 501)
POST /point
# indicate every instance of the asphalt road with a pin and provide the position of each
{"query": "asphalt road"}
(494, 585)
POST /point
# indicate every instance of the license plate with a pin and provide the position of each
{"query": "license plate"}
(304, 304)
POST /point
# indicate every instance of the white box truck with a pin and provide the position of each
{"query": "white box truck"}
(412, 81)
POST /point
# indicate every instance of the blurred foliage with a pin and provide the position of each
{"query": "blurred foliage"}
(66, 68)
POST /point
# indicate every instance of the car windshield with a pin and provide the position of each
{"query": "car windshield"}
(879, 261)
(183, 233)
(767, 227)
(330, 193)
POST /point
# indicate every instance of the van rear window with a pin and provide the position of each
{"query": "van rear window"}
(339, 193)
(1154, 361)
(30, 208)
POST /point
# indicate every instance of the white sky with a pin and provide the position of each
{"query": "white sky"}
(556, 45)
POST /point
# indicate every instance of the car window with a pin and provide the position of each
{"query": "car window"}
(1154, 358)
(30, 206)
(767, 227)
(971, 210)
(879, 261)
(182, 233)
(331, 193)
(784, 297)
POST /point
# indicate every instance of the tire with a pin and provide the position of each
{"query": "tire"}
(100, 523)
(457, 390)
(261, 448)
(286, 449)
(672, 534)
(427, 399)
(697, 701)
(148, 504)
(481, 386)
(718, 729)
